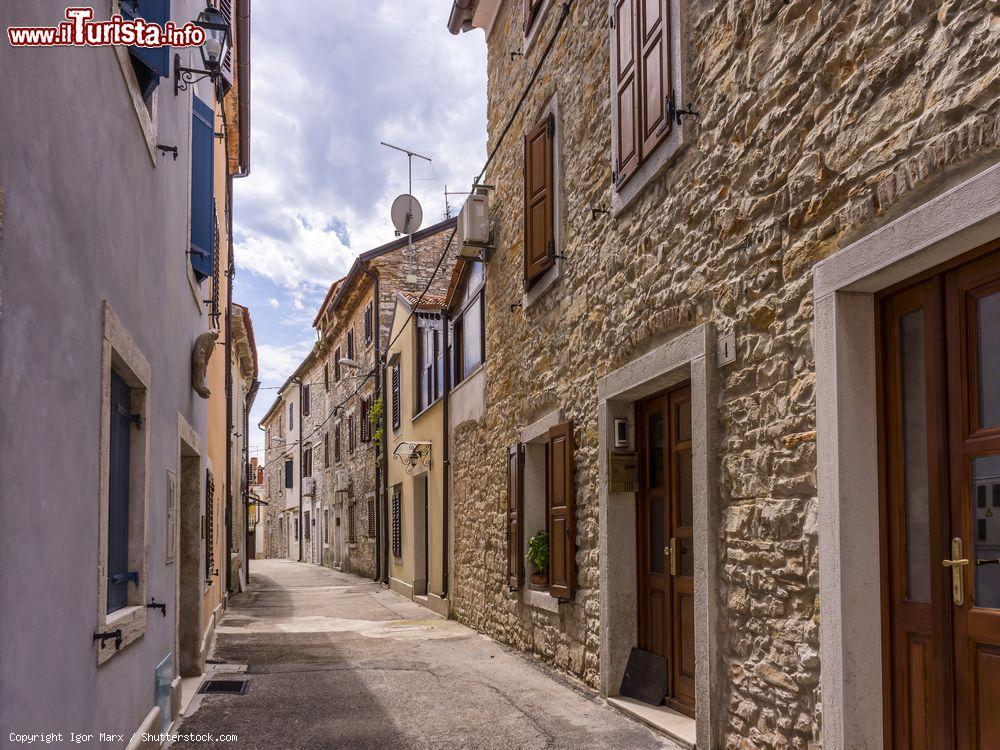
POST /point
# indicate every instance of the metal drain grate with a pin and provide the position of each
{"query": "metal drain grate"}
(231, 687)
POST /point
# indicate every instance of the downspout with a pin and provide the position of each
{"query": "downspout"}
(302, 529)
(446, 456)
(381, 569)
(230, 273)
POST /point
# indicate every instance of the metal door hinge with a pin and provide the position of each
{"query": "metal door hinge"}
(675, 114)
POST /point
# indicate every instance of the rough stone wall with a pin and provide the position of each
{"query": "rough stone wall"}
(819, 122)
(274, 489)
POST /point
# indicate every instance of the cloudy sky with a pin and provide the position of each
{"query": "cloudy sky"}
(331, 80)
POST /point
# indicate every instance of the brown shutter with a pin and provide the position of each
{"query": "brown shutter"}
(626, 85)
(515, 512)
(531, 8)
(654, 55)
(226, 9)
(560, 496)
(539, 236)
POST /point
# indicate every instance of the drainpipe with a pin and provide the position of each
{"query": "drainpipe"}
(302, 529)
(230, 273)
(446, 456)
(381, 567)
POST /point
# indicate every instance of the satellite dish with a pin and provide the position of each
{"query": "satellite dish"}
(407, 215)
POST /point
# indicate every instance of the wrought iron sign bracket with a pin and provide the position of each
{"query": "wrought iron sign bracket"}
(184, 78)
(115, 635)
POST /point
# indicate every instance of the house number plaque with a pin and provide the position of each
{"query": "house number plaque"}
(623, 472)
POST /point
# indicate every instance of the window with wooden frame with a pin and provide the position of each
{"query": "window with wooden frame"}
(350, 433)
(350, 345)
(397, 523)
(307, 462)
(351, 535)
(336, 365)
(289, 474)
(643, 103)
(551, 482)
(307, 526)
(430, 360)
(369, 323)
(326, 450)
(336, 442)
(539, 200)
(396, 410)
(469, 327)
(326, 376)
(305, 400)
(371, 518)
(326, 526)
(366, 422)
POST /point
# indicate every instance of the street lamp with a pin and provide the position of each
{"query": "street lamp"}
(218, 40)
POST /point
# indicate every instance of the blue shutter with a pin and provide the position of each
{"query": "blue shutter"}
(118, 494)
(157, 59)
(202, 189)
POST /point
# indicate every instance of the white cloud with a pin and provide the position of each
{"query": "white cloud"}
(273, 302)
(278, 361)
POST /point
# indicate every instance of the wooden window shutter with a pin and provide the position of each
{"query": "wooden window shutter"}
(336, 442)
(157, 59)
(326, 450)
(350, 433)
(515, 514)
(396, 411)
(209, 525)
(368, 324)
(531, 8)
(202, 189)
(653, 54)
(561, 498)
(228, 69)
(624, 72)
(371, 518)
(336, 365)
(539, 205)
(305, 400)
(397, 528)
(289, 474)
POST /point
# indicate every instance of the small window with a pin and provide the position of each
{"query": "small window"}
(336, 442)
(307, 523)
(371, 518)
(326, 376)
(468, 335)
(289, 474)
(118, 495)
(326, 450)
(336, 365)
(150, 64)
(291, 416)
(350, 345)
(397, 528)
(307, 462)
(351, 535)
(305, 400)
(366, 425)
(326, 525)
(395, 397)
(350, 433)
(369, 327)
(430, 360)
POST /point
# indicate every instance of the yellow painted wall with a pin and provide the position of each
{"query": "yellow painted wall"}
(427, 426)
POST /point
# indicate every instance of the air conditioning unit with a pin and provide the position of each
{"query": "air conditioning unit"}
(474, 225)
(308, 486)
(341, 481)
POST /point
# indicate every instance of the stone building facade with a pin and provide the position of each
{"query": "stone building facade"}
(340, 447)
(817, 126)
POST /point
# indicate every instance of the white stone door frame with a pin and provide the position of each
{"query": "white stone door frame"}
(688, 356)
(844, 286)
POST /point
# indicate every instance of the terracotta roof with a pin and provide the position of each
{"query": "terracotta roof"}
(429, 302)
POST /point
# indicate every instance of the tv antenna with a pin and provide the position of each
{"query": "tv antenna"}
(412, 206)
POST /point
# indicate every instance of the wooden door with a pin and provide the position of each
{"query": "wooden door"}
(665, 554)
(940, 371)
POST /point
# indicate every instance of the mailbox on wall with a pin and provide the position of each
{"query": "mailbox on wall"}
(623, 472)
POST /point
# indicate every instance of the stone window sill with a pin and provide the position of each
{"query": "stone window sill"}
(531, 296)
(131, 620)
(540, 600)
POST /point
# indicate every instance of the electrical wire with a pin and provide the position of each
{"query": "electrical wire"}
(496, 147)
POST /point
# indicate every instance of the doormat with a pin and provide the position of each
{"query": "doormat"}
(646, 677)
(232, 687)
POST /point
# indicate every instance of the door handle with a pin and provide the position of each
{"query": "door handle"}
(956, 563)
(673, 556)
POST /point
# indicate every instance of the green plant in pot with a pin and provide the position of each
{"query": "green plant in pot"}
(538, 556)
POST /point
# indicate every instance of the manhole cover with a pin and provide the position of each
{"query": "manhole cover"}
(233, 687)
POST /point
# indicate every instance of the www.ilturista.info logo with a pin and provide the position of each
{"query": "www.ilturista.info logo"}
(80, 30)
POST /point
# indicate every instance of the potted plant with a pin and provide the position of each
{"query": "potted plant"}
(538, 556)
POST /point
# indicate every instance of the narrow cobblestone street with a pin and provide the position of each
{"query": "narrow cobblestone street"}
(336, 661)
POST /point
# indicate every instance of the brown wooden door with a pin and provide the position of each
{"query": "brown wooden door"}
(940, 370)
(665, 554)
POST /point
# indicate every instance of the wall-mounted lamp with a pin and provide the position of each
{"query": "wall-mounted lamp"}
(218, 40)
(413, 455)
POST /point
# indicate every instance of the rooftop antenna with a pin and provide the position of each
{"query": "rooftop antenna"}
(412, 214)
